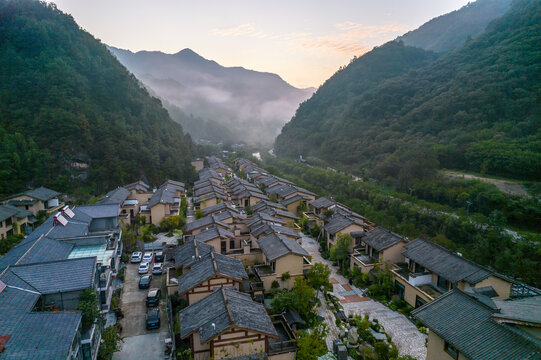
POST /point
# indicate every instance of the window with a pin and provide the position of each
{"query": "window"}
(9, 221)
(231, 244)
(223, 247)
(419, 301)
(375, 254)
(451, 350)
(400, 289)
(443, 283)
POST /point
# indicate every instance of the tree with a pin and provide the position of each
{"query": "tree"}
(88, 305)
(311, 346)
(172, 223)
(318, 276)
(340, 249)
(110, 343)
(300, 298)
(199, 214)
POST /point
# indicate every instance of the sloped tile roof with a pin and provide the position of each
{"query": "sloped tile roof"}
(294, 198)
(221, 310)
(58, 276)
(205, 222)
(219, 207)
(116, 196)
(42, 193)
(211, 265)
(189, 253)
(263, 204)
(381, 239)
(467, 324)
(322, 203)
(213, 233)
(339, 222)
(445, 263)
(275, 246)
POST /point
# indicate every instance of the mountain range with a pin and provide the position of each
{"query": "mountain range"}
(71, 116)
(401, 112)
(215, 102)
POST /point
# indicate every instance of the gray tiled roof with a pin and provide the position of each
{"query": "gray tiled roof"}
(467, 324)
(42, 335)
(339, 222)
(42, 193)
(7, 211)
(228, 214)
(208, 189)
(189, 253)
(261, 216)
(211, 265)
(138, 185)
(176, 184)
(275, 246)
(445, 263)
(116, 196)
(263, 204)
(47, 250)
(381, 239)
(278, 212)
(222, 310)
(218, 207)
(58, 276)
(294, 198)
(527, 310)
(322, 203)
(267, 229)
(206, 221)
(207, 173)
(164, 195)
(98, 211)
(213, 233)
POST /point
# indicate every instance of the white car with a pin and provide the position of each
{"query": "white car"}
(143, 268)
(136, 257)
(157, 269)
(148, 257)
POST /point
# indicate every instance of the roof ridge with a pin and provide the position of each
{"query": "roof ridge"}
(227, 307)
(214, 264)
(23, 280)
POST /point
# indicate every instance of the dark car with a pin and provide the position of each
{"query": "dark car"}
(144, 281)
(153, 297)
(159, 257)
(153, 319)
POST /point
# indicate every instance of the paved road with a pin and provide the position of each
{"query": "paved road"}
(140, 343)
(404, 333)
(190, 216)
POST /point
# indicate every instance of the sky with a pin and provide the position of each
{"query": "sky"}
(303, 41)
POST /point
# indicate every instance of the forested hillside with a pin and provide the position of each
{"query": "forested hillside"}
(449, 31)
(66, 102)
(476, 108)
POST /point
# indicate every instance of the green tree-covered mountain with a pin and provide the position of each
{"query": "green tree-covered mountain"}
(65, 100)
(449, 31)
(476, 108)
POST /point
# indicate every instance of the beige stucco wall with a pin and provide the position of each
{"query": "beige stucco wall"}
(502, 287)
(284, 356)
(141, 197)
(197, 346)
(208, 203)
(198, 165)
(435, 349)
(411, 291)
(393, 254)
(157, 212)
(292, 208)
(216, 282)
(249, 259)
(35, 208)
(238, 347)
(347, 230)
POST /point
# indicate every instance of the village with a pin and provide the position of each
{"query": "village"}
(245, 265)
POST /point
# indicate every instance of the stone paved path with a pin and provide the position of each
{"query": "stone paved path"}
(404, 333)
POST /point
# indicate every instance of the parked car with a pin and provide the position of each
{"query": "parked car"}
(143, 268)
(159, 257)
(153, 297)
(153, 319)
(157, 269)
(136, 257)
(144, 281)
(148, 257)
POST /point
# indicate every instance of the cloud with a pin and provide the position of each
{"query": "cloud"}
(351, 39)
(240, 30)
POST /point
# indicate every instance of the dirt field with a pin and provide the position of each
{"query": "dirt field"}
(506, 187)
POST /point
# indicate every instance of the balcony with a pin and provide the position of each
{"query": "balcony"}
(286, 341)
(421, 283)
(364, 261)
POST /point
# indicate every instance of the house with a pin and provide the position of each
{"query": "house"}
(431, 270)
(266, 204)
(245, 194)
(283, 192)
(285, 215)
(198, 164)
(377, 247)
(139, 191)
(273, 180)
(320, 209)
(212, 271)
(14, 220)
(463, 325)
(222, 240)
(191, 252)
(218, 208)
(81, 232)
(164, 202)
(197, 226)
(343, 223)
(128, 209)
(212, 175)
(296, 202)
(226, 324)
(35, 200)
(281, 255)
(218, 165)
(263, 229)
